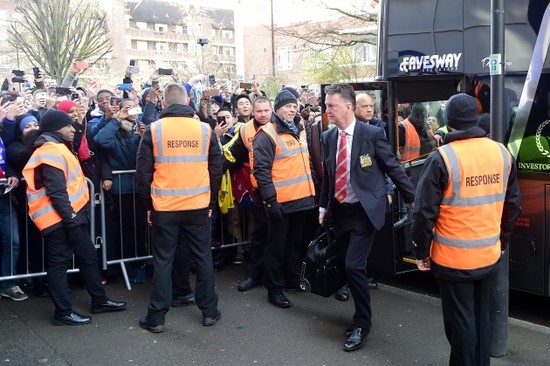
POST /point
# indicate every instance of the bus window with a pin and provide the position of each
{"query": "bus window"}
(534, 148)
(421, 128)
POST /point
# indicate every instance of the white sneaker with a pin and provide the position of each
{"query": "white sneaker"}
(14, 293)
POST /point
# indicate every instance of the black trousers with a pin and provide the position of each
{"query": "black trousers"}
(284, 251)
(166, 229)
(255, 266)
(60, 258)
(354, 235)
(181, 267)
(467, 320)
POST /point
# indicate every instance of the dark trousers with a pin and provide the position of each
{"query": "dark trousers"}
(166, 229)
(180, 268)
(467, 321)
(255, 266)
(284, 251)
(354, 235)
(60, 258)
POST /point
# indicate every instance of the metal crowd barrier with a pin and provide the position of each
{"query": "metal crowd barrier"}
(102, 239)
(28, 222)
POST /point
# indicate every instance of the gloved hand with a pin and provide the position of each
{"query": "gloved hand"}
(274, 210)
(73, 234)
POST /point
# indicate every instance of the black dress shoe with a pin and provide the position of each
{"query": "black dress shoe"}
(71, 319)
(208, 321)
(109, 305)
(248, 284)
(183, 300)
(356, 339)
(145, 323)
(342, 294)
(279, 300)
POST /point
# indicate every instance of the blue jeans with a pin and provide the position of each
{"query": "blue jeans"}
(9, 240)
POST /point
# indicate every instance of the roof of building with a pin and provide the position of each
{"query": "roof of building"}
(172, 13)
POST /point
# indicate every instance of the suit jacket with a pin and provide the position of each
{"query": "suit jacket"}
(371, 157)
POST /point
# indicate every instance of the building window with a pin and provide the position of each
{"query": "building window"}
(227, 34)
(142, 45)
(228, 51)
(161, 28)
(162, 47)
(141, 25)
(284, 58)
(196, 28)
(364, 53)
(182, 48)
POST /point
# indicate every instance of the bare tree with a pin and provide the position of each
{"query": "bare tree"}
(55, 33)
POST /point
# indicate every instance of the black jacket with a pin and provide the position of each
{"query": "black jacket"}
(145, 160)
(56, 188)
(264, 154)
(429, 193)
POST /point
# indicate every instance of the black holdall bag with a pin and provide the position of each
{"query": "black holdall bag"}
(323, 269)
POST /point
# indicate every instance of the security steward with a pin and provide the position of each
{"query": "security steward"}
(242, 152)
(466, 207)
(58, 202)
(179, 168)
(283, 174)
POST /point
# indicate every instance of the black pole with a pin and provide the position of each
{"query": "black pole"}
(500, 278)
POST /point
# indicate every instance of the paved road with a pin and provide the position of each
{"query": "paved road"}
(407, 330)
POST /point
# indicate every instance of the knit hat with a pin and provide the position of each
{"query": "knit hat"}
(461, 111)
(24, 119)
(54, 120)
(282, 98)
(66, 105)
(292, 91)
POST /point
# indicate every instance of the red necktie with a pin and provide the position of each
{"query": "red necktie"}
(342, 176)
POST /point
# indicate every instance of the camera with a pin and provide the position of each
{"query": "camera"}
(125, 87)
(9, 97)
(211, 93)
(166, 71)
(18, 79)
(114, 101)
(132, 68)
(202, 41)
(61, 90)
(211, 80)
(246, 86)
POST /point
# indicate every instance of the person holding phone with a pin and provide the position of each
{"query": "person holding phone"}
(118, 140)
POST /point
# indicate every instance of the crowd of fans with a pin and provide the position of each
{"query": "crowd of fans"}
(108, 125)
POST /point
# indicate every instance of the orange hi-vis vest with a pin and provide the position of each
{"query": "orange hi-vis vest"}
(291, 171)
(411, 150)
(247, 132)
(180, 150)
(467, 230)
(57, 155)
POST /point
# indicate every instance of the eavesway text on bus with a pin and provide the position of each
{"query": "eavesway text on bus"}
(447, 61)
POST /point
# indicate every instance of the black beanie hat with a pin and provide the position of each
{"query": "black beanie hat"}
(53, 120)
(282, 98)
(461, 112)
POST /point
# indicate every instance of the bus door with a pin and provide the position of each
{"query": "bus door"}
(418, 102)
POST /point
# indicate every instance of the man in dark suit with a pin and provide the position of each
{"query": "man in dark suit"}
(356, 156)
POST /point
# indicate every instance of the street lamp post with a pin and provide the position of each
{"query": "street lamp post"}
(202, 42)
